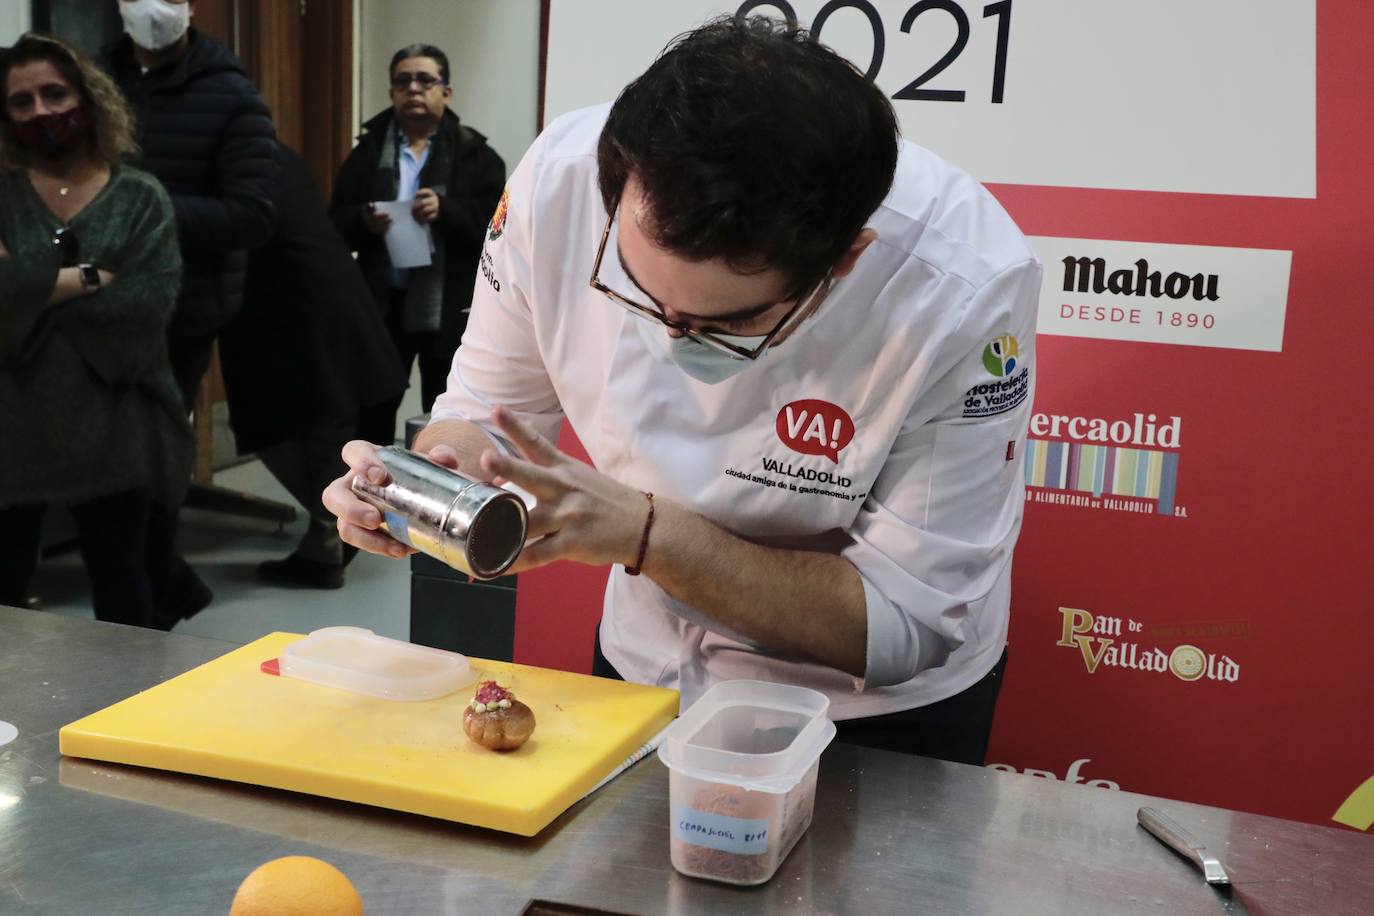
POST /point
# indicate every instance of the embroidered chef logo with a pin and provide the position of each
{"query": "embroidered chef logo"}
(498, 219)
(814, 427)
(1001, 356)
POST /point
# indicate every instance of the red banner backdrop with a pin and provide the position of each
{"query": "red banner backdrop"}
(1261, 567)
(1190, 613)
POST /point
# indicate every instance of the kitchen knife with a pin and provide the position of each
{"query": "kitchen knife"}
(1171, 834)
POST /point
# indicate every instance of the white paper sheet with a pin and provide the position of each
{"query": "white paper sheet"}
(408, 242)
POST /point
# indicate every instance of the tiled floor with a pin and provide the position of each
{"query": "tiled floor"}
(225, 550)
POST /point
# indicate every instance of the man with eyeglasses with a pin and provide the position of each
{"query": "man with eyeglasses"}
(798, 351)
(418, 150)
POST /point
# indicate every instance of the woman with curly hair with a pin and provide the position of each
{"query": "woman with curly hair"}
(89, 270)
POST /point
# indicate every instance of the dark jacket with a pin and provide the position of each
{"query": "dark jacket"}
(474, 185)
(207, 136)
(309, 348)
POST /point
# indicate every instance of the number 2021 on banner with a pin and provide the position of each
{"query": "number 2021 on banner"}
(916, 90)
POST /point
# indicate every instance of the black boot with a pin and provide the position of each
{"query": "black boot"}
(298, 571)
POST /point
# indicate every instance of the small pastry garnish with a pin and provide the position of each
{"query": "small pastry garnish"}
(496, 720)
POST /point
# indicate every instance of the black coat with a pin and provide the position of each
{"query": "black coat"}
(309, 347)
(474, 185)
(207, 135)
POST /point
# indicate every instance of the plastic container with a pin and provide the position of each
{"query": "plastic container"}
(353, 658)
(742, 783)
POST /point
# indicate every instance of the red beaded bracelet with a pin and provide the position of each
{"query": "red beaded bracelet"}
(643, 539)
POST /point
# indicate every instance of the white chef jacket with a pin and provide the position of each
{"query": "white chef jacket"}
(927, 347)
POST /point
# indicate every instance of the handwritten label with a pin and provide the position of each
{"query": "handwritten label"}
(742, 836)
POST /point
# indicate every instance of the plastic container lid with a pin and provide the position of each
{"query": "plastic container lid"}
(357, 659)
(752, 734)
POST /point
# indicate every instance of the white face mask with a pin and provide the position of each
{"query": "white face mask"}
(155, 25)
(703, 363)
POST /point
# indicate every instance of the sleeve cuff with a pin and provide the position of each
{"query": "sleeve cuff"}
(899, 647)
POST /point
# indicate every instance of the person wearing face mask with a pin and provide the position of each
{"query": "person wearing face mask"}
(89, 267)
(798, 351)
(207, 135)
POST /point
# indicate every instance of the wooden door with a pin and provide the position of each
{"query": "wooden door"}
(300, 53)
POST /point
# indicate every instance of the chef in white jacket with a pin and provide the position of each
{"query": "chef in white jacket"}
(800, 353)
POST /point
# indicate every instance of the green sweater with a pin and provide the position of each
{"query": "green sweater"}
(88, 405)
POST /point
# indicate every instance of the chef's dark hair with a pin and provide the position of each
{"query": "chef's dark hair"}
(754, 144)
(419, 50)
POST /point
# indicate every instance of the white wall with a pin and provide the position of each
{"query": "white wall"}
(493, 51)
(14, 20)
(1109, 94)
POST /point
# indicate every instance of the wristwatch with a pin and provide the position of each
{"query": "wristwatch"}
(90, 277)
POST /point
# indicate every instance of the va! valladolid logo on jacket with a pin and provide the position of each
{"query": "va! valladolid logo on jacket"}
(1115, 642)
(1002, 359)
(1122, 464)
(809, 427)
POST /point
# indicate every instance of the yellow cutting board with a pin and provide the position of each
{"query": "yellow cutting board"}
(228, 720)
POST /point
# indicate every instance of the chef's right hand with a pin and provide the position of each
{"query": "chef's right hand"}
(359, 524)
(377, 221)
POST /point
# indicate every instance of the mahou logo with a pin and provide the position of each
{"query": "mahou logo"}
(1083, 274)
(814, 427)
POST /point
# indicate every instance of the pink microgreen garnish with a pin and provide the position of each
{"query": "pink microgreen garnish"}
(490, 693)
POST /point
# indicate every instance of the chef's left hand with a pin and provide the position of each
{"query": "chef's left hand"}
(582, 515)
(426, 206)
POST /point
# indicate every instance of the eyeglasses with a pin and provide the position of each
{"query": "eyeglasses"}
(803, 309)
(427, 81)
(67, 245)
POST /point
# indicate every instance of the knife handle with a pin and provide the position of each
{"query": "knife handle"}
(1171, 834)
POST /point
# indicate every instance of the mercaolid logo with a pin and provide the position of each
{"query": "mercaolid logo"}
(1002, 355)
(815, 427)
(498, 219)
(1115, 463)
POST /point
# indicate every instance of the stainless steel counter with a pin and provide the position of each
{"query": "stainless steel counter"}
(892, 834)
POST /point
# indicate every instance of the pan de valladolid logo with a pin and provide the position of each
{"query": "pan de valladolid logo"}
(1111, 642)
(1122, 464)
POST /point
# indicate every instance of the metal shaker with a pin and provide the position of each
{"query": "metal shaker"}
(472, 526)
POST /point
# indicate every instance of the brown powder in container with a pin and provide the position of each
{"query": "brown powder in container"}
(729, 801)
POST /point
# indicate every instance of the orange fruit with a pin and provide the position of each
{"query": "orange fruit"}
(296, 886)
